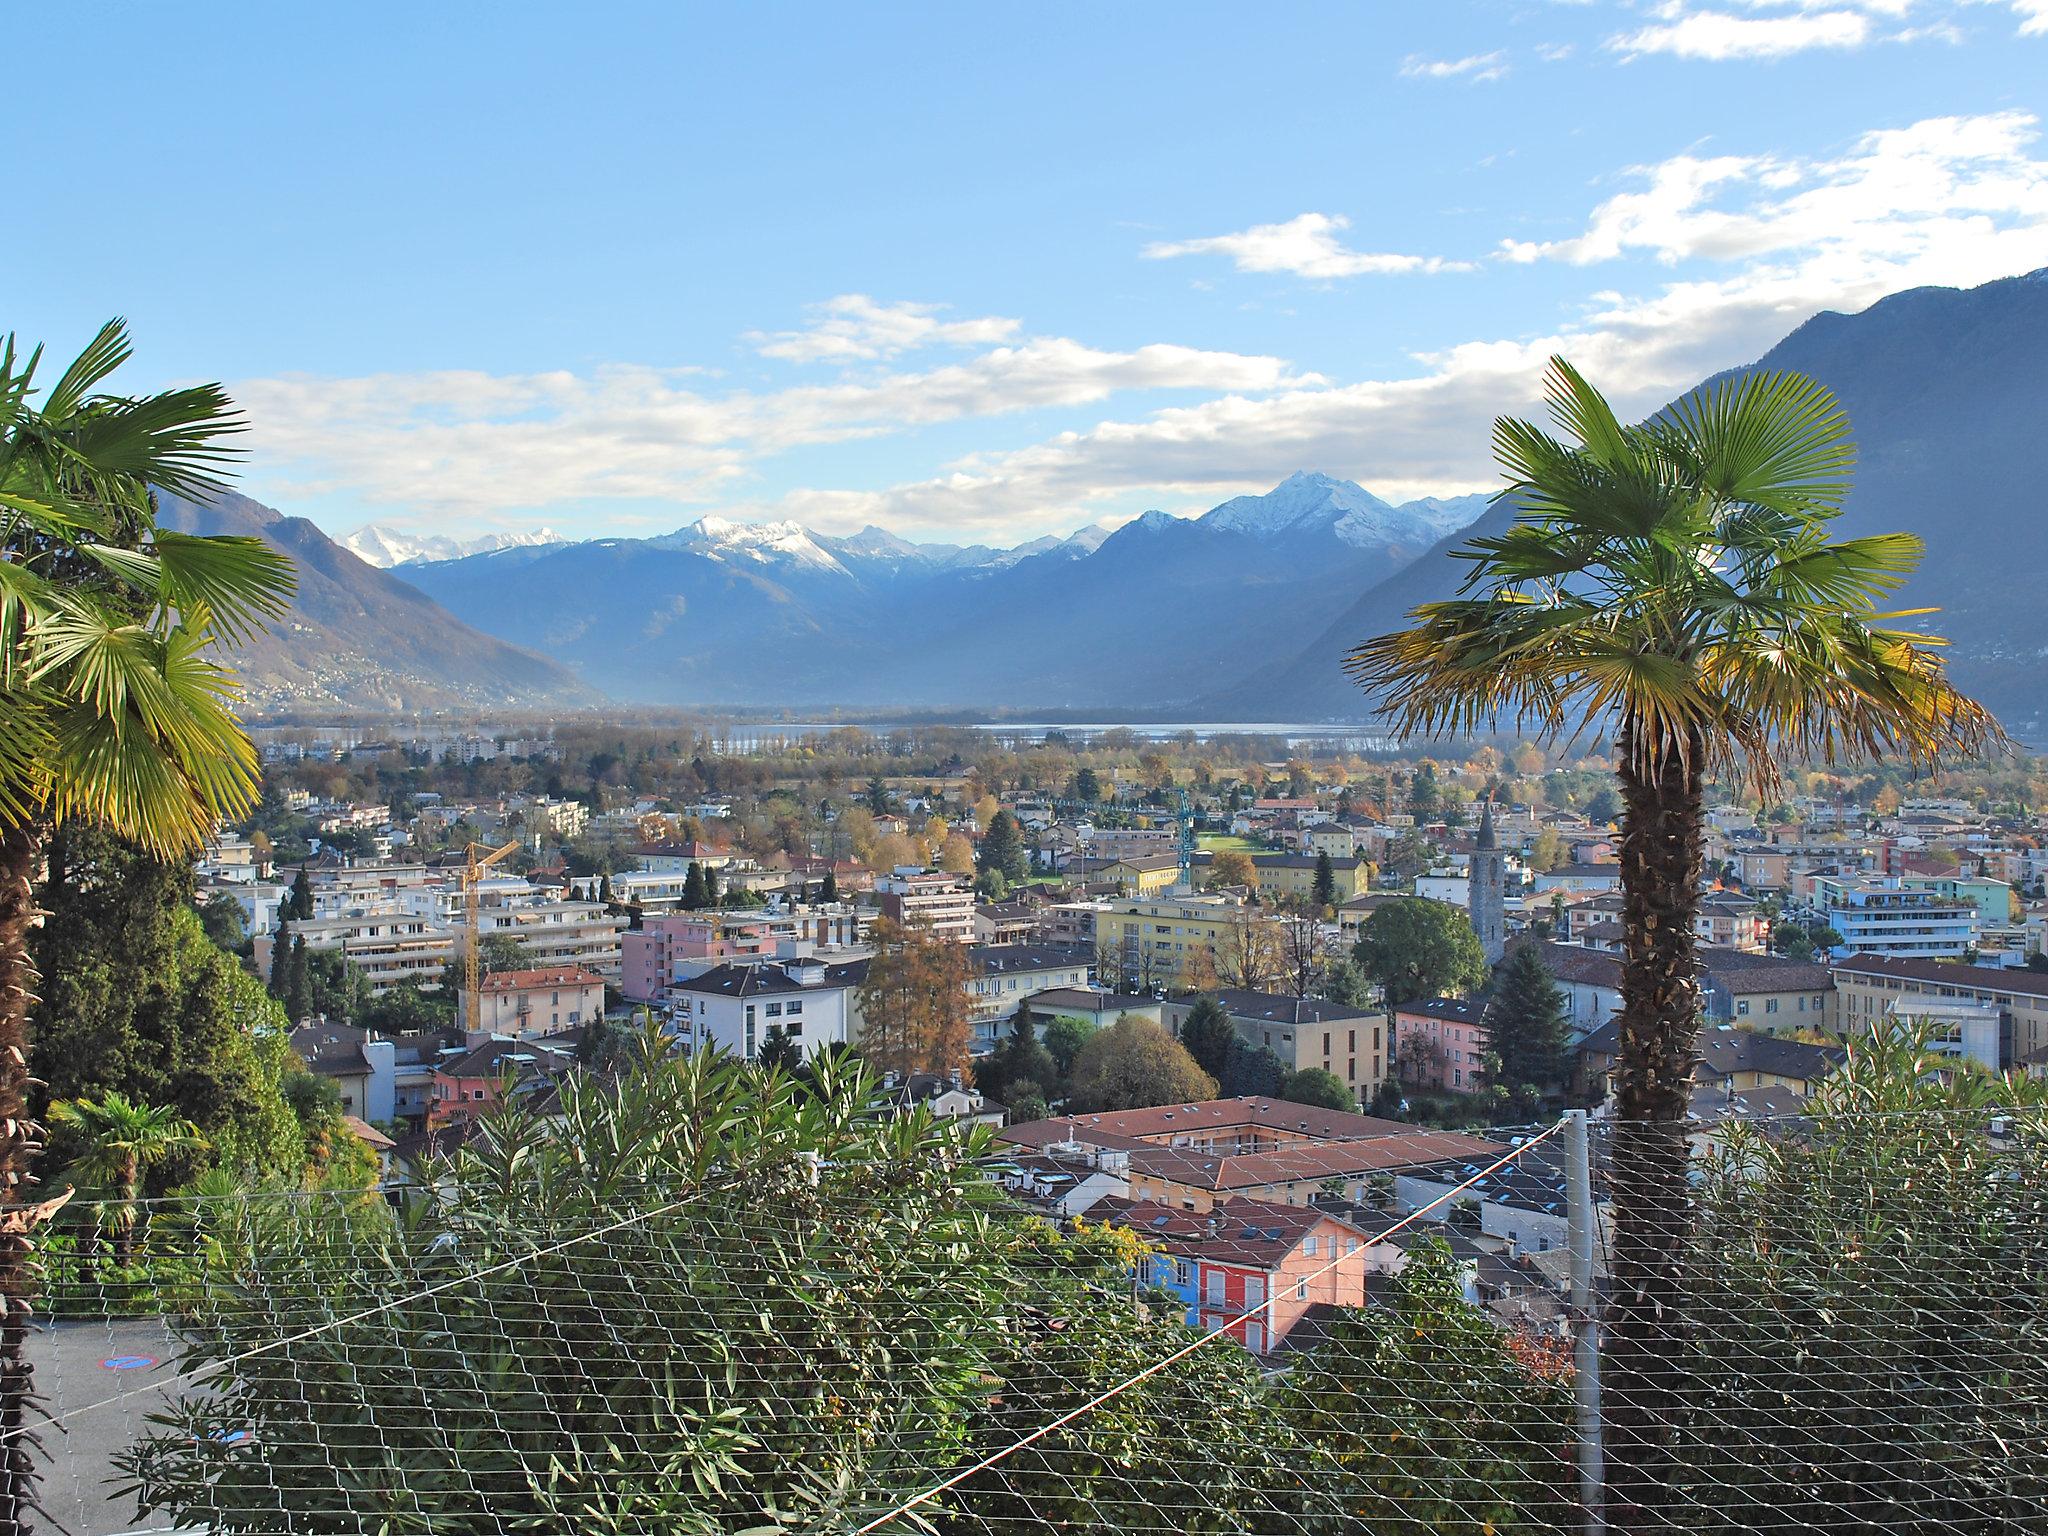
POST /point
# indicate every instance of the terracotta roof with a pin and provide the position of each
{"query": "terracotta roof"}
(525, 981)
(1257, 1234)
(1343, 1144)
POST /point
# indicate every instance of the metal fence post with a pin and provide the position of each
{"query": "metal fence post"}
(1583, 1221)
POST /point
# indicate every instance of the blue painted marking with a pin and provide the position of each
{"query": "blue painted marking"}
(127, 1362)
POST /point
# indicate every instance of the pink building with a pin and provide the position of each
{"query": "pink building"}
(1441, 1042)
(1250, 1268)
(649, 954)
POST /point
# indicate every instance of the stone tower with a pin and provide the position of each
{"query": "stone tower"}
(1489, 889)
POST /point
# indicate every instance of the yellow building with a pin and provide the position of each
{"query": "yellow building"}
(1154, 940)
(1294, 874)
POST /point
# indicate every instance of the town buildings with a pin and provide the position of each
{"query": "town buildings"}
(540, 1001)
(1194, 1156)
(1345, 1039)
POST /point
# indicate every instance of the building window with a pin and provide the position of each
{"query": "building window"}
(1308, 1246)
(1301, 1290)
(1742, 1007)
(1770, 1005)
(774, 1010)
(1351, 1044)
(1215, 1279)
(1183, 1272)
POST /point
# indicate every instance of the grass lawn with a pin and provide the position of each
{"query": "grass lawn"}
(1223, 842)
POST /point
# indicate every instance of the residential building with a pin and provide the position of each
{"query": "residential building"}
(1441, 1043)
(1155, 940)
(941, 902)
(467, 1084)
(1303, 1032)
(1764, 992)
(1002, 976)
(732, 1006)
(1294, 874)
(1249, 1268)
(543, 1001)
(1992, 898)
(560, 933)
(1140, 874)
(1580, 878)
(1098, 1006)
(387, 946)
(1731, 922)
(1870, 989)
(361, 1065)
(1882, 915)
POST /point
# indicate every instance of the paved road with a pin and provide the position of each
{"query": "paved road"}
(79, 1365)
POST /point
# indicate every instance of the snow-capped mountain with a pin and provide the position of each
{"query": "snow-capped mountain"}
(726, 611)
(383, 546)
(1307, 503)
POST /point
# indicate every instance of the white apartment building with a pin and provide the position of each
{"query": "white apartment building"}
(733, 1005)
(1882, 915)
(942, 902)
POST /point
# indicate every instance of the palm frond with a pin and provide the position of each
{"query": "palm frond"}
(239, 583)
(91, 368)
(1775, 440)
(172, 440)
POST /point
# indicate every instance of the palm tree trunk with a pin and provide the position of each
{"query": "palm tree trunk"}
(21, 856)
(1661, 853)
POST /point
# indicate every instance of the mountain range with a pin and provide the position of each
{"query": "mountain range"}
(1945, 390)
(360, 638)
(729, 613)
(1243, 613)
(383, 546)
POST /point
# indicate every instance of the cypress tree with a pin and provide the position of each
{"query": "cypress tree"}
(1209, 1036)
(281, 955)
(710, 886)
(693, 887)
(829, 892)
(302, 894)
(1529, 1031)
(1325, 888)
(299, 994)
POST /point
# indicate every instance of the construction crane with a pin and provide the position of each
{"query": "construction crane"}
(472, 952)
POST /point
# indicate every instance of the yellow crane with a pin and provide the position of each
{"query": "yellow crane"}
(472, 946)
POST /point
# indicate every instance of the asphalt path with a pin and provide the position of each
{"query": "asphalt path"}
(81, 1366)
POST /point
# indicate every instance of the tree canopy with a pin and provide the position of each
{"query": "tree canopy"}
(1134, 1064)
(1417, 948)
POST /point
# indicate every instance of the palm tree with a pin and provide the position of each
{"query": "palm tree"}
(122, 1140)
(110, 708)
(1676, 582)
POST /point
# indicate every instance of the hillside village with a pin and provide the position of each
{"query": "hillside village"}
(1116, 903)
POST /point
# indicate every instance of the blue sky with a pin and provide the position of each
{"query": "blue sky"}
(977, 272)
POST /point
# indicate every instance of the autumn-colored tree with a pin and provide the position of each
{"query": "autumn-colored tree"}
(1134, 1064)
(913, 1001)
(1233, 866)
(956, 855)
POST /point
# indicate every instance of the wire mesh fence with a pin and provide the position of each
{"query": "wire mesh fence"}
(689, 1302)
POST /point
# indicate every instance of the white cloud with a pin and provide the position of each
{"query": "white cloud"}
(1475, 67)
(855, 328)
(467, 444)
(1720, 35)
(2033, 17)
(1757, 245)
(1306, 246)
(1785, 258)
(1897, 192)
